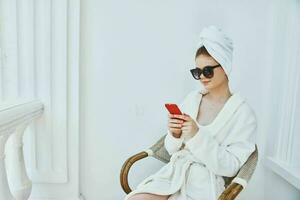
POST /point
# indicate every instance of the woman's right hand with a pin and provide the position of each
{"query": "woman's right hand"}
(175, 125)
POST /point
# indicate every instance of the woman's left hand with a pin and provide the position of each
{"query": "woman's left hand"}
(189, 126)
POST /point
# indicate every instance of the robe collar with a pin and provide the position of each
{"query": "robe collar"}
(224, 115)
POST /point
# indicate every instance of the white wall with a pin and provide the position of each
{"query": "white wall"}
(135, 56)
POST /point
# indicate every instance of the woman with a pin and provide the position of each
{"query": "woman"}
(214, 136)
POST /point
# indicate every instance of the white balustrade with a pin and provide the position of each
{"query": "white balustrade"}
(14, 118)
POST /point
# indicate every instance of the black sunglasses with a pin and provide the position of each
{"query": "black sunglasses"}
(208, 71)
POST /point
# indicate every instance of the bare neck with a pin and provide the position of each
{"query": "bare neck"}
(219, 94)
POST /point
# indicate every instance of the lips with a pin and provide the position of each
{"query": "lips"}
(204, 82)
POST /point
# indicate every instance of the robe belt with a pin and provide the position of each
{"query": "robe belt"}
(187, 154)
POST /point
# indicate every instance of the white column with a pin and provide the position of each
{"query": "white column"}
(40, 60)
(18, 180)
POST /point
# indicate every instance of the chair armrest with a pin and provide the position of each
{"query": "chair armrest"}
(126, 167)
(231, 192)
(239, 182)
(245, 173)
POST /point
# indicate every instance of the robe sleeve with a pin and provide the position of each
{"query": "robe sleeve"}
(225, 160)
(173, 144)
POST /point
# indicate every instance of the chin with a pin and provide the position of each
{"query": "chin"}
(207, 86)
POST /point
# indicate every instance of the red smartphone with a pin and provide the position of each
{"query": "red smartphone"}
(173, 109)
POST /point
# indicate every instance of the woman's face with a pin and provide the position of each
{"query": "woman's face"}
(219, 77)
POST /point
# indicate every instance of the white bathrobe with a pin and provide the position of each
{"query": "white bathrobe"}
(198, 162)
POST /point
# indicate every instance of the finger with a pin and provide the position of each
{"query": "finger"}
(181, 117)
(172, 125)
(175, 130)
(179, 121)
(176, 122)
(185, 114)
(187, 117)
(188, 123)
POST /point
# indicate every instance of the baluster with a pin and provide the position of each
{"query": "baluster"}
(5, 193)
(19, 183)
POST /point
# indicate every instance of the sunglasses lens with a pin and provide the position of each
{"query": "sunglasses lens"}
(196, 73)
(208, 72)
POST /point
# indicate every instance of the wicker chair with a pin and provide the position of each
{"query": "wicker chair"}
(159, 152)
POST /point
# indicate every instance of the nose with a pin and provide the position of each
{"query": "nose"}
(202, 76)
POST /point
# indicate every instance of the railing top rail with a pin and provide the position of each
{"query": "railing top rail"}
(13, 114)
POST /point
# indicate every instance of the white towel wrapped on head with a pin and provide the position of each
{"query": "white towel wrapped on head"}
(218, 45)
